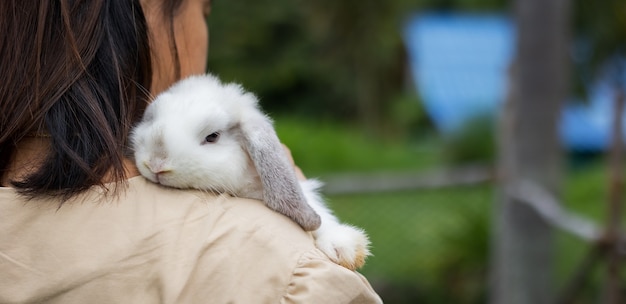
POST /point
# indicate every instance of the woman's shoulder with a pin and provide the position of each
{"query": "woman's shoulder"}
(138, 204)
(252, 254)
(192, 245)
(248, 253)
(222, 213)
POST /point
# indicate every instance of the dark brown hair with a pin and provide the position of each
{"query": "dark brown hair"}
(78, 71)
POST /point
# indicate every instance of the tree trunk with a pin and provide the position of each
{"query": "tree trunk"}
(529, 150)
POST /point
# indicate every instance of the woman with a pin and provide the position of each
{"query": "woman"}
(77, 225)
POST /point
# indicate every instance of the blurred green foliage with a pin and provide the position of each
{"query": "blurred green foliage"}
(601, 27)
(332, 59)
(599, 30)
(345, 59)
(474, 142)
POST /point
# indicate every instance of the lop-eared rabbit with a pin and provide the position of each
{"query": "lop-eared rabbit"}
(208, 135)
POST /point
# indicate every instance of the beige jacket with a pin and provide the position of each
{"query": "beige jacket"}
(157, 245)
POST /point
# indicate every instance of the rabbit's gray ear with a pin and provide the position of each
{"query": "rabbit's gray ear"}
(281, 189)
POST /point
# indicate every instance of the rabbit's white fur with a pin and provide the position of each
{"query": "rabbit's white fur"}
(246, 159)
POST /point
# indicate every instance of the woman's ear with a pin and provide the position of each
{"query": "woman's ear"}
(281, 189)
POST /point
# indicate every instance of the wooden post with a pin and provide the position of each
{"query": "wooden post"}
(614, 209)
(528, 144)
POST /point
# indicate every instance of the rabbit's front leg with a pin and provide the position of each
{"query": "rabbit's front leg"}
(345, 245)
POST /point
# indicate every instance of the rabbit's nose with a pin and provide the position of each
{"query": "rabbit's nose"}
(157, 166)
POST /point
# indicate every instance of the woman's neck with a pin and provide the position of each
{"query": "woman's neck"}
(27, 157)
(30, 154)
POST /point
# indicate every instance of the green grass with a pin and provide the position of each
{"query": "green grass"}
(409, 230)
(321, 147)
(585, 193)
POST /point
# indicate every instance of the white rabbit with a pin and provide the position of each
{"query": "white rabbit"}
(205, 134)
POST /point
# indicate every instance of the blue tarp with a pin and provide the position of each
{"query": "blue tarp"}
(459, 64)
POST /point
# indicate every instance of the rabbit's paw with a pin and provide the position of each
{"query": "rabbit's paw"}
(345, 245)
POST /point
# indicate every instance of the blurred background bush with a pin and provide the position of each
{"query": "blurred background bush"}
(334, 74)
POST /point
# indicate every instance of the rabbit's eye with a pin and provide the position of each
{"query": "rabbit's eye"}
(213, 137)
